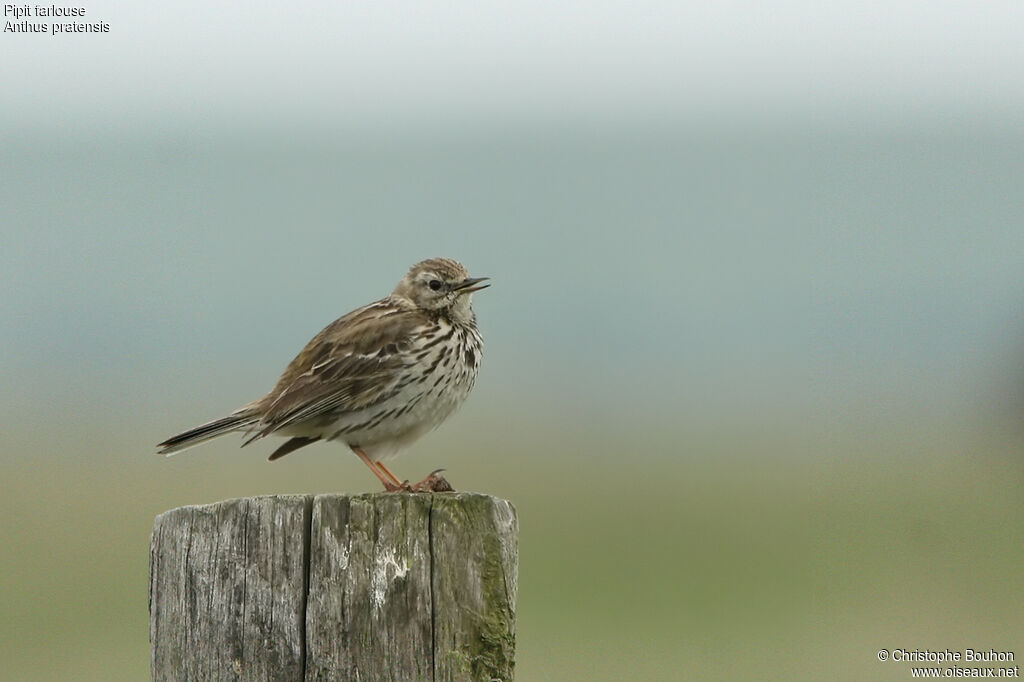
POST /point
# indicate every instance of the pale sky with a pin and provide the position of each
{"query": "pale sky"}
(442, 63)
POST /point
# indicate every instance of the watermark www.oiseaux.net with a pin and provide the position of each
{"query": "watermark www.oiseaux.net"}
(947, 663)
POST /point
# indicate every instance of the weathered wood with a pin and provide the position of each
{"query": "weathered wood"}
(226, 590)
(369, 608)
(367, 587)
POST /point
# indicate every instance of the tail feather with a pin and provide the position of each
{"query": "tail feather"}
(205, 432)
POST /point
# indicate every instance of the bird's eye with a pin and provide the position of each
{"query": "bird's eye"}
(434, 284)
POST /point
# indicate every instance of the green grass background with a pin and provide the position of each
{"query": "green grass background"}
(642, 556)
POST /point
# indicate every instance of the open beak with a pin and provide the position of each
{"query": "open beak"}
(466, 286)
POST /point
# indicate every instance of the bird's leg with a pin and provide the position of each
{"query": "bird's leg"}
(391, 484)
(387, 472)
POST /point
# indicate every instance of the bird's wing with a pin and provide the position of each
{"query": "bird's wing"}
(354, 363)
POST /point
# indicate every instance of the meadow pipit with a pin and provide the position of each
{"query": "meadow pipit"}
(376, 379)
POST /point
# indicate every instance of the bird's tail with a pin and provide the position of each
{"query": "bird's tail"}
(218, 427)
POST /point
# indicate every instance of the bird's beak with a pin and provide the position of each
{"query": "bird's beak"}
(466, 285)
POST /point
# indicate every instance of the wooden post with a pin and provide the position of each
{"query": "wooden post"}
(335, 587)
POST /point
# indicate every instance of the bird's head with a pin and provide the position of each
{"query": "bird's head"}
(440, 284)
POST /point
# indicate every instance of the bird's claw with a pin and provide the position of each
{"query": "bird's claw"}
(403, 488)
(434, 483)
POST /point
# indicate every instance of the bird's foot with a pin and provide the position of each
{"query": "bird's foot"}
(434, 483)
(402, 487)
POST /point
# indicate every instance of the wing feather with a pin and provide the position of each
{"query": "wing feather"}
(356, 362)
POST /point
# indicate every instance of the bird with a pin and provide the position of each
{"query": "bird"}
(375, 379)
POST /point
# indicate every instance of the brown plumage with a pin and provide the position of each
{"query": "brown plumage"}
(376, 378)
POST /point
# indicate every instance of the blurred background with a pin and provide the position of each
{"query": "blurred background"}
(754, 368)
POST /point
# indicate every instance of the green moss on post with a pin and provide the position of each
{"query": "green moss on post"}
(474, 545)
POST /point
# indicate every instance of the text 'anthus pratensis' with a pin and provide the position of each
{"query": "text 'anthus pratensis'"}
(376, 379)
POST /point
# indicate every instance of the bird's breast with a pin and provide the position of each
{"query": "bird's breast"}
(437, 375)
